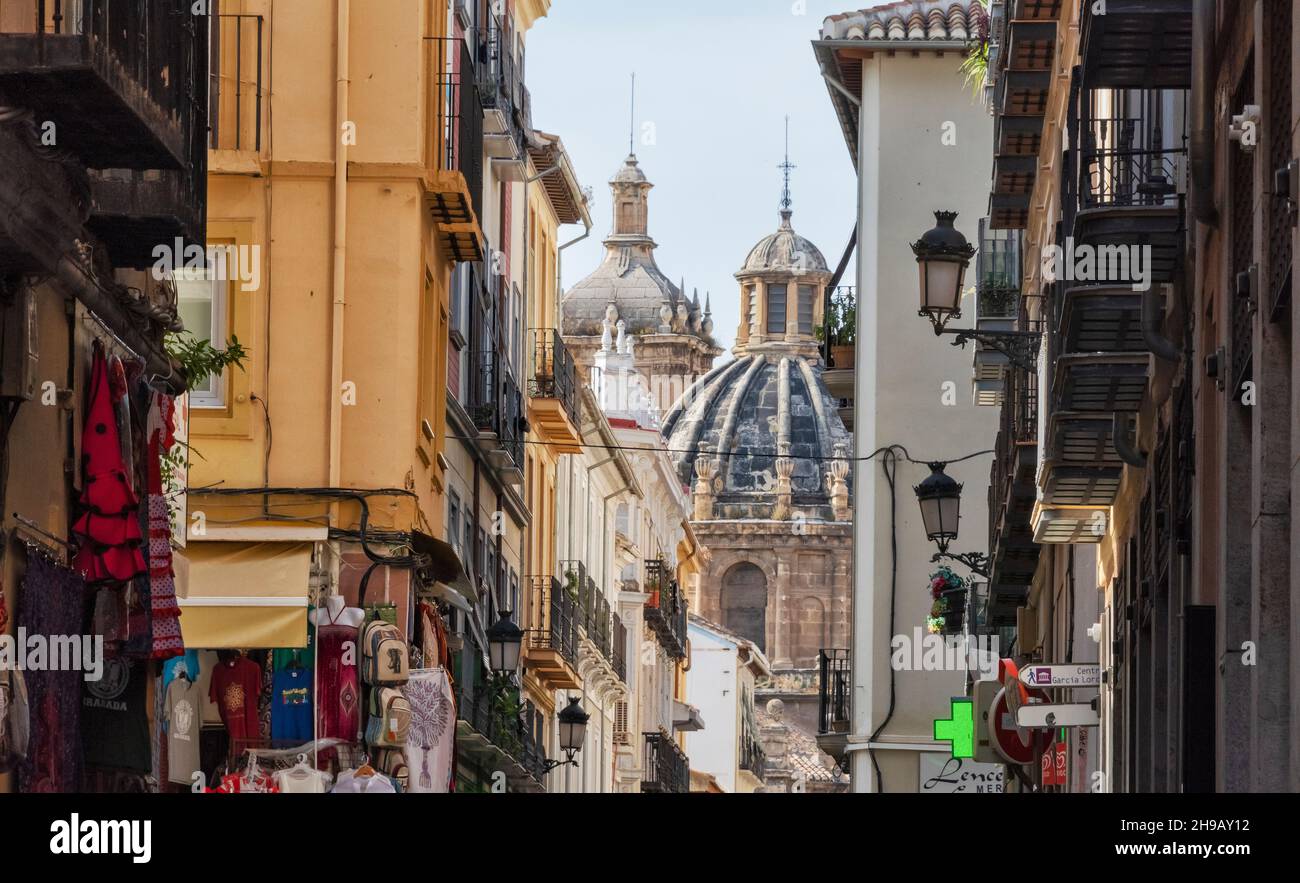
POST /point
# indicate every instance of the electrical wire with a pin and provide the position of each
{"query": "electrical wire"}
(750, 452)
(890, 457)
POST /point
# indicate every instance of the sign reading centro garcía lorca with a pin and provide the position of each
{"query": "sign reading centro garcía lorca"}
(1071, 675)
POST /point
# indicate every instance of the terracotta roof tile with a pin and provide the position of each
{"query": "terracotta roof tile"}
(919, 20)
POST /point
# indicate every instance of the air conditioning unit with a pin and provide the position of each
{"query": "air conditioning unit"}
(19, 348)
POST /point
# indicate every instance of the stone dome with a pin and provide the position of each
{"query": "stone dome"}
(629, 278)
(747, 414)
(784, 251)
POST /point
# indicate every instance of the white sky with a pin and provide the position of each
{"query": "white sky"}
(714, 81)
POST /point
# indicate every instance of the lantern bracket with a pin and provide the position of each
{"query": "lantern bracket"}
(976, 562)
(1020, 347)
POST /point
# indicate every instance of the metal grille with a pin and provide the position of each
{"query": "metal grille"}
(1278, 33)
(1242, 182)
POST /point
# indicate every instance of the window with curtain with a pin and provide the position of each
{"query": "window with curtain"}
(776, 309)
(806, 295)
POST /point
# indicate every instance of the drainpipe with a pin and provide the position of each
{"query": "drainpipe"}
(1161, 346)
(559, 264)
(340, 243)
(1202, 135)
(1119, 434)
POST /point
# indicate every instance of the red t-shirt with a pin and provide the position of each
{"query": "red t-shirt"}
(235, 688)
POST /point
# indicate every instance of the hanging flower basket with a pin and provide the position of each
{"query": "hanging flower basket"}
(948, 612)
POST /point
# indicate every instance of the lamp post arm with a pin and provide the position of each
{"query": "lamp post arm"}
(976, 562)
(1020, 347)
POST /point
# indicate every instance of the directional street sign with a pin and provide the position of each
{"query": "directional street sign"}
(1077, 714)
(1087, 674)
(958, 728)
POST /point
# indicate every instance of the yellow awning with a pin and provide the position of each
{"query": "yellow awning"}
(245, 595)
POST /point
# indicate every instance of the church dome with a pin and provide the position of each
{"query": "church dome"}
(784, 251)
(747, 415)
(629, 278)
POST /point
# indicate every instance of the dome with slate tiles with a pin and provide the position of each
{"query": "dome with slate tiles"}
(629, 278)
(748, 414)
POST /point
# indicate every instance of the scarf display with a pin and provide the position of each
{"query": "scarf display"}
(52, 603)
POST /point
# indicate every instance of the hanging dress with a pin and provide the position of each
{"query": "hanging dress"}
(108, 532)
(339, 697)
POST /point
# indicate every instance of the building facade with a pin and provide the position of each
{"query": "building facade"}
(893, 75)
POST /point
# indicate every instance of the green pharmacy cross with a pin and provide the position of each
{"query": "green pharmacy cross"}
(959, 729)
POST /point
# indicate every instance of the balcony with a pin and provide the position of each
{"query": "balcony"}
(505, 103)
(1127, 196)
(551, 648)
(839, 349)
(498, 732)
(119, 79)
(1013, 556)
(1137, 44)
(752, 758)
(997, 306)
(665, 611)
(834, 696)
(455, 195)
(553, 391)
(664, 768)
(496, 407)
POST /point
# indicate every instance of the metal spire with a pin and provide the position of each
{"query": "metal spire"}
(631, 120)
(786, 167)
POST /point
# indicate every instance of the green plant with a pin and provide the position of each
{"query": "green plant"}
(199, 360)
(843, 318)
(975, 67)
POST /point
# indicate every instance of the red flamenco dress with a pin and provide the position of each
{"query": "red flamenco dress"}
(108, 531)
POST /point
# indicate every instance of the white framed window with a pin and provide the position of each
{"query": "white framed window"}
(202, 303)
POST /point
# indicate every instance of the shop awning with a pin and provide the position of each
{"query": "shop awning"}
(245, 595)
(445, 567)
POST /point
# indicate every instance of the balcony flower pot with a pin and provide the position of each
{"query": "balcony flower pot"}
(843, 355)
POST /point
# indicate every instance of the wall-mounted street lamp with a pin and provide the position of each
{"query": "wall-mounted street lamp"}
(940, 499)
(943, 256)
(504, 641)
(573, 732)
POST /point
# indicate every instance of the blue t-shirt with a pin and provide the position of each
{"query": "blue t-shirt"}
(291, 705)
(189, 664)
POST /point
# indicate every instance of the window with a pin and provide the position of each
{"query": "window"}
(751, 303)
(776, 309)
(806, 309)
(201, 298)
(460, 277)
(453, 521)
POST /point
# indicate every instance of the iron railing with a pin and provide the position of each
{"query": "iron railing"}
(1131, 157)
(618, 638)
(496, 713)
(554, 374)
(665, 769)
(752, 757)
(495, 404)
(665, 610)
(997, 270)
(500, 86)
(459, 133)
(553, 624)
(833, 691)
(235, 82)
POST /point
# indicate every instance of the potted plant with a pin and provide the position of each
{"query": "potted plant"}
(948, 612)
(843, 329)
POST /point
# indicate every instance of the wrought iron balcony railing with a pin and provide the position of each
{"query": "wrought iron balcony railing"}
(752, 757)
(665, 610)
(833, 691)
(495, 403)
(997, 269)
(553, 623)
(664, 769)
(235, 82)
(459, 133)
(121, 80)
(554, 374)
(618, 638)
